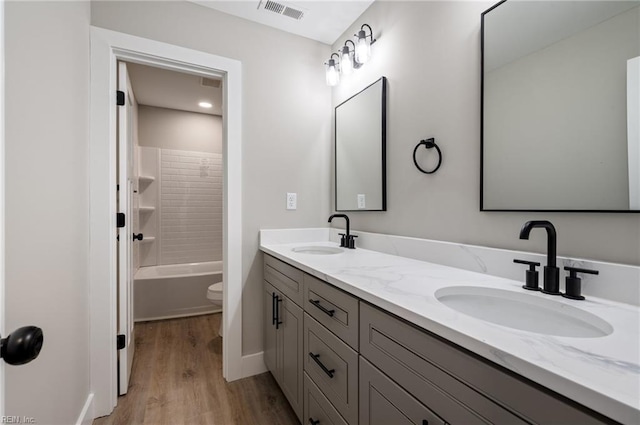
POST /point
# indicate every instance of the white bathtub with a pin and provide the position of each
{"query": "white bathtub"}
(176, 290)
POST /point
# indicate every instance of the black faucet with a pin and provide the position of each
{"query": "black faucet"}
(346, 238)
(551, 283)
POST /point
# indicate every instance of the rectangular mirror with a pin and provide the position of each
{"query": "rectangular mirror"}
(561, 106)
(360, 143)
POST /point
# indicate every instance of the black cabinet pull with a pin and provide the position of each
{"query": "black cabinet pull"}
(273, 308)
(138, 237)
(425, 422)
(278, 301)
(323, 367)
(312, 422)
(324, 310)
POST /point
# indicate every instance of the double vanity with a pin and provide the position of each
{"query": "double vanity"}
(359, 336)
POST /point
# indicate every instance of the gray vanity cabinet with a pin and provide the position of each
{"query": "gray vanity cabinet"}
(343, 361)
(283, 327)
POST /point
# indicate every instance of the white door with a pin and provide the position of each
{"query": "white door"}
(125, 234)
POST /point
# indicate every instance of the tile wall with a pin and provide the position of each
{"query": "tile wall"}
(190, 207)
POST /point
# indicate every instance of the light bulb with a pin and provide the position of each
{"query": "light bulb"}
(333, 76)
(363, 48)
(346, 66)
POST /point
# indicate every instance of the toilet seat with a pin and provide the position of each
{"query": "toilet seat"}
(214, 292)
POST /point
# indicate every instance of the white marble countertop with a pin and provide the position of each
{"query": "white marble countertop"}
(600, 373)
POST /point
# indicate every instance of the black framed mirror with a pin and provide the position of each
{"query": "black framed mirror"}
(360, 150)
(560, 106)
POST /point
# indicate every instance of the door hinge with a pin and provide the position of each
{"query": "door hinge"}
(120, 98)
(122, 342)
(120, 220)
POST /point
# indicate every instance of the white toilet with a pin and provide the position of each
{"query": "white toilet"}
(214, 294)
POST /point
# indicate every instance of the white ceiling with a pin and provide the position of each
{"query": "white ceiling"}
(173, 90)
(323, 20)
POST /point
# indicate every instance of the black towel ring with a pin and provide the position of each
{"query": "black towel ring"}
(428, 143)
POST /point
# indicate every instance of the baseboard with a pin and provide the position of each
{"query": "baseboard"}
(253, 364)
(178, 316)
(86, 416)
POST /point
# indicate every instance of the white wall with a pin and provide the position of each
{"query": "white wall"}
(47, 213)
(286, 120)
(172, 129)
(430, 53)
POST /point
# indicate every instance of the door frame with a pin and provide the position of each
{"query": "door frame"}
(107, 47)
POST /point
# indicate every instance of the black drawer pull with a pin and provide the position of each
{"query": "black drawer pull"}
(425, 422)
(323, 367)
(324, 310)
(312, 422)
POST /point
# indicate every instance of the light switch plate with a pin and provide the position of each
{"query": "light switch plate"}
(361, 201)
(292, 201)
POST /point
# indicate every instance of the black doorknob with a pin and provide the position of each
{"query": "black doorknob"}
(22, 346)
(139, 236)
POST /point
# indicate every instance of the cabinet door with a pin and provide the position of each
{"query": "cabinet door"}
(290, 352)
(270, 356)
(383, 402)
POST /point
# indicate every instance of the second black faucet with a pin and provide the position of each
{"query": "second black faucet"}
(551, 282)
(347, 240)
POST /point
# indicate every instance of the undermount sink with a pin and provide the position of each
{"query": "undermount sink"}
(523, 311)
(317, 250)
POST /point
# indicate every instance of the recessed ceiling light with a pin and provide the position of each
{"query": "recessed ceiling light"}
(205, 105)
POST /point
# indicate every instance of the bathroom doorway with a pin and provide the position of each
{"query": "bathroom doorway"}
(107, 48)
(170, 184)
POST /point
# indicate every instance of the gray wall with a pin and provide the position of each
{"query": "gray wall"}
(285, 122)
(172, 129)
(47, 205)
(430, 53)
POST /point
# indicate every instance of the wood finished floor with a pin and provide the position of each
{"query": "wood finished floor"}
(177, 379)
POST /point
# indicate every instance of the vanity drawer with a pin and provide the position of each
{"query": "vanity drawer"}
(484, 393)
(284, 278)
(333, 367)
(317, 407)
(383, 402)
(335, 309)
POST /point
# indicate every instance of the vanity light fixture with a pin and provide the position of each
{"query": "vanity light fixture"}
(332, 74)
(205, 105)
(346, 59)
(350, 58)
(363, 46)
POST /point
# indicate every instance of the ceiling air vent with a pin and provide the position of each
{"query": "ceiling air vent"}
(210, 82)
(282, 9)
